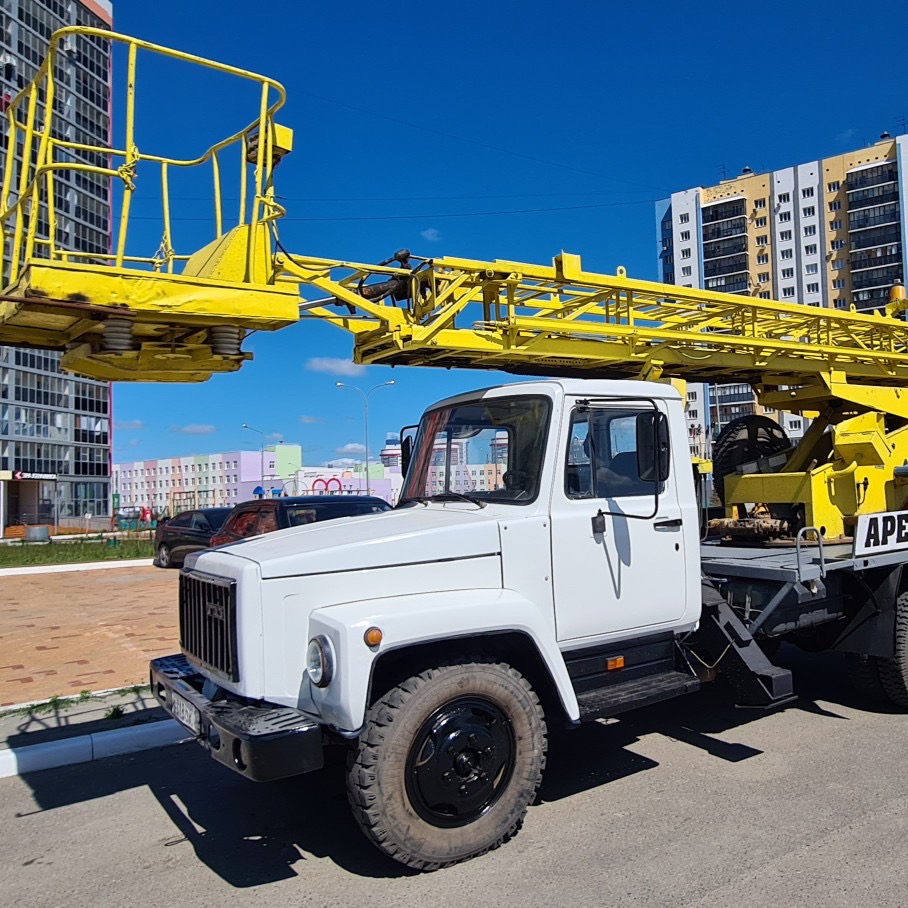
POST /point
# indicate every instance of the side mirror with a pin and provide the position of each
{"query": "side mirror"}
(653, 450)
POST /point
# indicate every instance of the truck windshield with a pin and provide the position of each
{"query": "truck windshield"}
(484, 450)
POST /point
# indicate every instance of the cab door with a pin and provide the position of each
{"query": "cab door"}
(618, 556)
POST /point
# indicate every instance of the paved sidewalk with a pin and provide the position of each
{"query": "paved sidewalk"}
(62, 633)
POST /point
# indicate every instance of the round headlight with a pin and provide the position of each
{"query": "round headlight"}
(320, 661)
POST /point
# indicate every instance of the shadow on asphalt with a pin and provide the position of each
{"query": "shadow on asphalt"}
(251, 834)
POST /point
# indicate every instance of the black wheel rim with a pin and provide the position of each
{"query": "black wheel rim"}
(460, 762)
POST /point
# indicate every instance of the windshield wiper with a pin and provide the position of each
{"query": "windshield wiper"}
(457, 496)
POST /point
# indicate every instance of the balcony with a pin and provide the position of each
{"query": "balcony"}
(877, 277)
(879, 236)
(722, 212)
(731, 265)
(736, 227)
(872, 176)
(720, 248)
(876, 195)
(729, 284)
(876, 259)
(872, 217)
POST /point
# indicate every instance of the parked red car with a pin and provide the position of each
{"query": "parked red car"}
(253, 518)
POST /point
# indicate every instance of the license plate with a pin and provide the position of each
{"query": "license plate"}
(186, 713)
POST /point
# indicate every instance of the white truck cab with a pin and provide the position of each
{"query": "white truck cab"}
(543, 565)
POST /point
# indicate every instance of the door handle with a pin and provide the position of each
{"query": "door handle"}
(668, 524)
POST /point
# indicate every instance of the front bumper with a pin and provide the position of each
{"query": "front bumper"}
(259, 741)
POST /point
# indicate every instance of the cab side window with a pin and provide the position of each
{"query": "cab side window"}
(601, 458)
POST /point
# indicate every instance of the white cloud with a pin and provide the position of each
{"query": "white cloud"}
(194, 429)
(275, 436)
(351, 448)
(431, 234)
(334, 366)
(128, 425)
(310, 420)
(133, 442)
(845, 136)
(343, 462)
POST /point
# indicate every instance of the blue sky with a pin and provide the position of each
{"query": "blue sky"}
(483, 130)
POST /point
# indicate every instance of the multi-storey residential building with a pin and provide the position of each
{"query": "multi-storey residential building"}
(831, 232)
(55, 427)
(206, 480)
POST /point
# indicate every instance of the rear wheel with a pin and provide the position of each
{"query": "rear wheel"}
(165, 556)
(894, 671)
(448, 763)
(863, 673)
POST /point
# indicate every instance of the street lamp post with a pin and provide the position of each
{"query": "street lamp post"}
(365, 395)
(262, 456)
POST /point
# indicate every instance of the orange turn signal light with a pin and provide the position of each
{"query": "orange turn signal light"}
(373, 636)
(614, 662)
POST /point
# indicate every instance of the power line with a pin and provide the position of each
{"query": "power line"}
(437, 216)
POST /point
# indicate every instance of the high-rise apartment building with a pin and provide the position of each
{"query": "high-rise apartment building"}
(831, 232)
(55, 427)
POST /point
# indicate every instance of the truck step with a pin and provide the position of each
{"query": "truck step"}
(617, 698)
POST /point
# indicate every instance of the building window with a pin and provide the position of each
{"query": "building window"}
(788, 273)
(784, 217)
(685, 253)
(839, 283)
(760, 203)
(787, 254)
(835, 225)
(692, 414)
(764, 295)
(838, 244)
(685, 236)
(810, 230)
(683, 218)
(811, 269)
(833, 186)
(807, 193)
(761, 240)
(788, 292)
(784, 235)
(813, 288)
(810, 249)
(685, 271)
(784, 198)
(763, 277)
(809, 211)
(762, 259)
(838, 264)
(835, 206)
(691, 396)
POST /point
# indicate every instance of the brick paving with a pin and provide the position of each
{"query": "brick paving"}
(83, 630)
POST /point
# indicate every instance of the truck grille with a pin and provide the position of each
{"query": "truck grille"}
(208, 623)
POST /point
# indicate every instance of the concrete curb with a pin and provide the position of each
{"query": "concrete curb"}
(85, 748)
(77, 566)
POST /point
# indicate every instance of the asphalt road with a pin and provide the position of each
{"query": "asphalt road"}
(689, 803)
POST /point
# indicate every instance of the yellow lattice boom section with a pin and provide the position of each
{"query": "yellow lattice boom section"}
(182, 315)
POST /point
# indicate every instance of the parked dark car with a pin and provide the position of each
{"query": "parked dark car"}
(189, 531)
(253, 518)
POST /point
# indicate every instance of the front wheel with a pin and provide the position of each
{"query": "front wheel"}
(448, 763)
(165, 556)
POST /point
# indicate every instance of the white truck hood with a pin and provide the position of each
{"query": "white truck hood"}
(409, 535)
